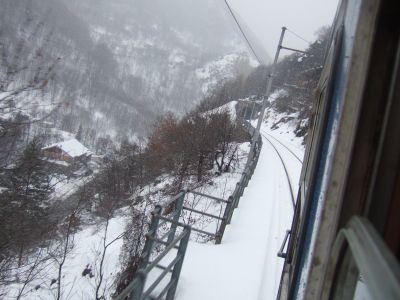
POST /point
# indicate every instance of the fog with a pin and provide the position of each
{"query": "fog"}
(210, 25)
(265, 19)
(110, 107)
(153, 55)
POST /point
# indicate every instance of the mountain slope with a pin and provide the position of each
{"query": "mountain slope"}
(121, 63)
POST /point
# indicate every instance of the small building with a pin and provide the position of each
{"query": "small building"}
(71, 151)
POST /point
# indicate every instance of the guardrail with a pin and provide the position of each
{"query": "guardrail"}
(248, 172)
(169, 214)
(230, 204)
(141, 288)
(214, 235)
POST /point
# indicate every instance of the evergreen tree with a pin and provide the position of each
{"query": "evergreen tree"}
(78, 135)
(24, 204)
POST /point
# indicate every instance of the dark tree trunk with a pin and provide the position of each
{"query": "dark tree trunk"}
(200, 168)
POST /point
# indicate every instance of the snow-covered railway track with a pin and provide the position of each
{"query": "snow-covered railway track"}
(284, 166)
(283, 145)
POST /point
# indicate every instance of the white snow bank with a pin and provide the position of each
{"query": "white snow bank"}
(245, 265)
(86, 252)
(229, 108)
(218, 65)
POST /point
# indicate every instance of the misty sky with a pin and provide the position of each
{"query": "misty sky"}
(265, 19)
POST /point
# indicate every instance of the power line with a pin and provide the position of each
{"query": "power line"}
(299, 36)
(247, 40)
(241, 30)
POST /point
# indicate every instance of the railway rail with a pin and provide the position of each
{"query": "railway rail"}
(264, 134)
(286, 147)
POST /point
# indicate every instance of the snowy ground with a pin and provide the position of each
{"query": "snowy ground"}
(85, 252)
(88, 242)
(222, 187)
(245, 265)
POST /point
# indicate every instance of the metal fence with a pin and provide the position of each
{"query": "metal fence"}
(248, 172)
(166, 235)
(161, 260)
(231, 203)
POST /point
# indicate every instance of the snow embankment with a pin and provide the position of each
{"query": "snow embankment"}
(84, 253)
(245, 265)
(229, 108)
(221, 70)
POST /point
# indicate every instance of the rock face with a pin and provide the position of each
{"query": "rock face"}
(119, 64)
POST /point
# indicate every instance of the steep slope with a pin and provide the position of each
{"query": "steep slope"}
(294, 83)
(119, 64)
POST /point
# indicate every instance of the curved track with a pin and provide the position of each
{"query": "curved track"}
(264, 134)
(286, 147)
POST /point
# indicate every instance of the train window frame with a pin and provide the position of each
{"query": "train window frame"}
(385, 184)
(371, 256)
(373, 187)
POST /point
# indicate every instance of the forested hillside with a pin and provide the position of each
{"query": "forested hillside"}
(181, 153)
(108, 109)
(99, 74)
(111, 67)
(296, 76)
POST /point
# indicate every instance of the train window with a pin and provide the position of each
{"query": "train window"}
(351, 282)
(373, 186)
(315, 120)
(384, 199)
(364, 255)
(362, 267)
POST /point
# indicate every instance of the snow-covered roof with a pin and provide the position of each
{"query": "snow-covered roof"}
(229, 107)
(71, 147)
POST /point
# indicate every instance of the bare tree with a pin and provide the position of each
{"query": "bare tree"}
(134, 238)
(106, 211)
(100, 293)
(64, 247)
(36, 269)
(64, 243)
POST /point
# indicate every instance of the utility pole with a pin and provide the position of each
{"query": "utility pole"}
(267, 92)
(252, 108)
(246, 109)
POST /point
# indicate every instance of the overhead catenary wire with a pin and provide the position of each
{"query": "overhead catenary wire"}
(298, 36)
(247, 40)
(242, 32)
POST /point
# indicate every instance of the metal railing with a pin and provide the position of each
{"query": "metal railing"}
(176, 204)
(220, 219)
(169, 213)
(163, 283)
(233, 201)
